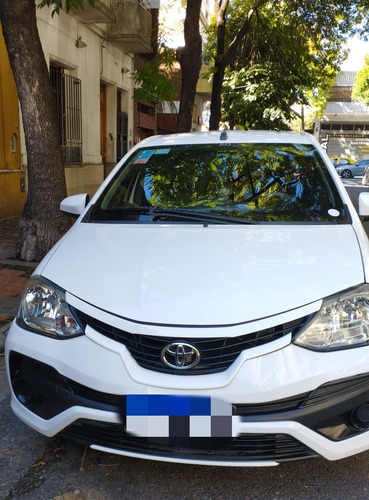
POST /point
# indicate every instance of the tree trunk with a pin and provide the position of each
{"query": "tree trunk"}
(41, 223)
(216, 97)
(190, 58)
(225, 56)
(220, 8)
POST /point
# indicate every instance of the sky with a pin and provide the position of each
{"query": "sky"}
(355, 60)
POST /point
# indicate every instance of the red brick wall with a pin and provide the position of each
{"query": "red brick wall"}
(147, 124)
(167, 123)
(144, 113)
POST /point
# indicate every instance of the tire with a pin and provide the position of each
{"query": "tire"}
(346, 174)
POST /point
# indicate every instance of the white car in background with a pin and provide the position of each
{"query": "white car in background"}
(203, 308)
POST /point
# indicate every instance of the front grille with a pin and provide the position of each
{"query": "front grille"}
(247, 447)
(217, 354)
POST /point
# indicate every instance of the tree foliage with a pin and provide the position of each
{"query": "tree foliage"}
(276, 54)
(360, 91)
(277, 66)
(153, 79)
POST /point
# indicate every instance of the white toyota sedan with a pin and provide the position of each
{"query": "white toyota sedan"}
(210, 305)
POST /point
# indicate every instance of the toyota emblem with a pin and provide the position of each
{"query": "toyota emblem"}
(180, 355)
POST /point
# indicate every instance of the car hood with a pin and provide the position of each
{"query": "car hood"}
(194, 275)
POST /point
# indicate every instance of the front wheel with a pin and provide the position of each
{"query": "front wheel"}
(346, 174)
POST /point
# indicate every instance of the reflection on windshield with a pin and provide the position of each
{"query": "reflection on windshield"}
(260, 182)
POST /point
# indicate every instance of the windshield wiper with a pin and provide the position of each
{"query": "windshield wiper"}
(158, 213)
(198, 216)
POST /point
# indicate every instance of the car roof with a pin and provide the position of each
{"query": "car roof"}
(229, 137)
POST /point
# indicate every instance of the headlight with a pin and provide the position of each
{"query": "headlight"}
(343, 321)
(44, 309)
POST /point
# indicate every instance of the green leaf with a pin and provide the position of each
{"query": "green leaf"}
(360, 91)
(70, 5)
(154, 79)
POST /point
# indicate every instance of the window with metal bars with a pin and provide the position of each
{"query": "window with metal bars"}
(68, 101)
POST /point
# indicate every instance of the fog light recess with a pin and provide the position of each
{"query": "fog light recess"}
(26, 394)
(359, 417)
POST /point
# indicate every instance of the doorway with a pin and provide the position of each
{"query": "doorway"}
(103, 125)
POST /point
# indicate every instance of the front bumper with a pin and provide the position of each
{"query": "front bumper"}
(287, 404)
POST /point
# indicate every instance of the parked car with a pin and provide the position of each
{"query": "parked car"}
(202, 309)
(339, 161)
(353, 170)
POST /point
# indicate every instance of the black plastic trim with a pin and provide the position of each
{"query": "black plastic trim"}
(54, 393)
(244, 448)
(217, 353)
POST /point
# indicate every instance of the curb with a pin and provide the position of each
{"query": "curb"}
(3, 333)
(21, 263)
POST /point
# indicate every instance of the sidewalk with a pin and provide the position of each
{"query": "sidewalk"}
(13, 275)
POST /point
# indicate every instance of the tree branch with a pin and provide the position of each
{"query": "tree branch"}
(245, 28)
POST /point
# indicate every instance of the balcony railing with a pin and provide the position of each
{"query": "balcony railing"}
(131, 31)
(204, 84)
(103, 12)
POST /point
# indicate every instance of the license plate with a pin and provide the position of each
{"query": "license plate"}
(157, 415)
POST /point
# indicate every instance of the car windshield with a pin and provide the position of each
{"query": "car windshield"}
(222, 183)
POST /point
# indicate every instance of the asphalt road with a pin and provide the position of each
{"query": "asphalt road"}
(354, 188)
(34, 467)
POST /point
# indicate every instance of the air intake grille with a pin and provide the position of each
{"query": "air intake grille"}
(217, 354)
(246, 447)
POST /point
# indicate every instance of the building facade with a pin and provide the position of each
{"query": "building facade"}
(90, 55)
(344, 127)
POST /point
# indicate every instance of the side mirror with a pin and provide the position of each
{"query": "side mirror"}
(74, 205)
(364, 206)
